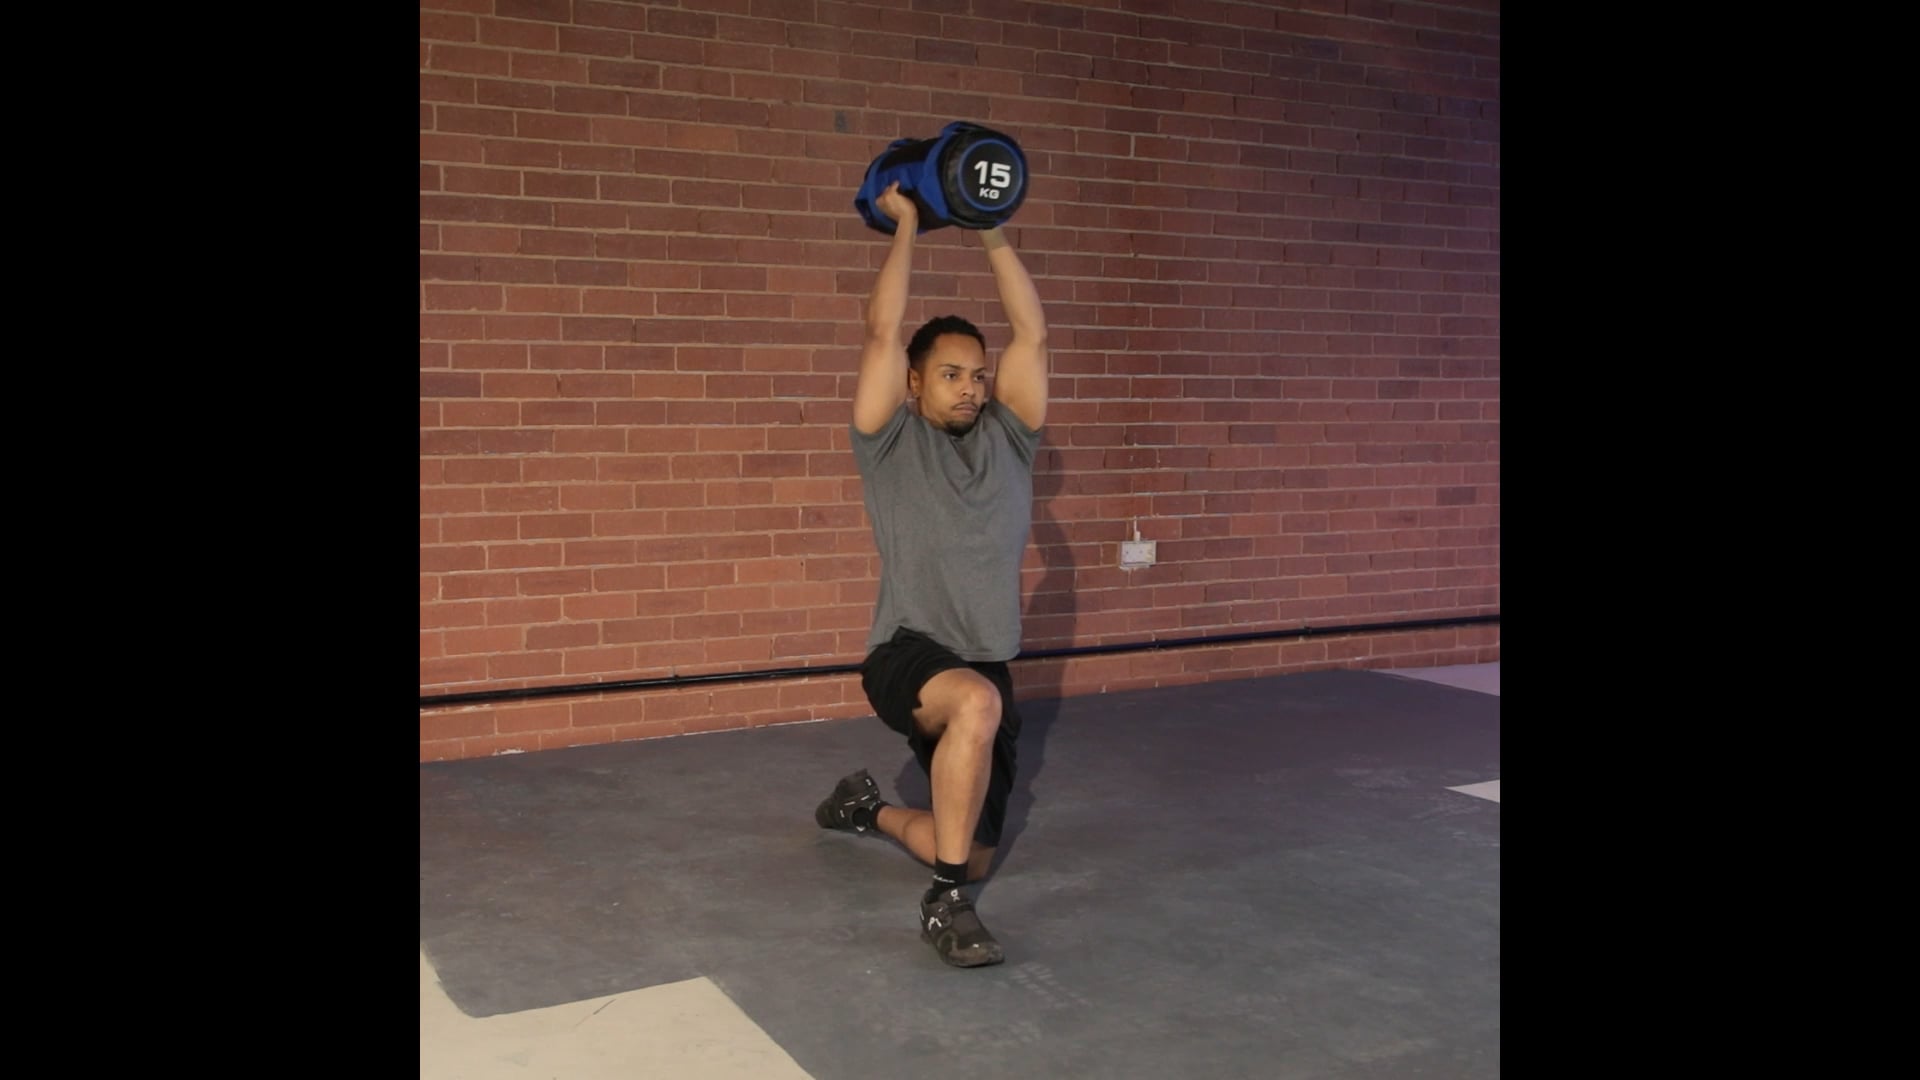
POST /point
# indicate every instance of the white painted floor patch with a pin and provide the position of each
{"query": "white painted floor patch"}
(686, 1030)
(1488, 790)
(1482, 677)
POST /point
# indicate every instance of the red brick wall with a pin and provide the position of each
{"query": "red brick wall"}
(1267, 235)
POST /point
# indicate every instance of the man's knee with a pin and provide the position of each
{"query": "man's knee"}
(962, 703)
(976, 712)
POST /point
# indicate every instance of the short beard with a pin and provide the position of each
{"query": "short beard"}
(961, 427)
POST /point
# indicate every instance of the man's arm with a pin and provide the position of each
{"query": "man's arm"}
(1021, 381)
(883, 359)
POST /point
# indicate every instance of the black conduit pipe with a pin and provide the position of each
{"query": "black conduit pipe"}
(483, 697)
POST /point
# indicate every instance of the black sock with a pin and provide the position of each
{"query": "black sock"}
(946, 876)
(867, 818)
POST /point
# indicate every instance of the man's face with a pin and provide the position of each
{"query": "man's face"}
(952, 383)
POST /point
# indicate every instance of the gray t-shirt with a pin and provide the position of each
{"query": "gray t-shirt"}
(950, 517)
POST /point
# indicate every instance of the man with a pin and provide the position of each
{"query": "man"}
(947, 470)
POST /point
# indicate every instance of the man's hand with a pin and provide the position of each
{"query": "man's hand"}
(904, 211)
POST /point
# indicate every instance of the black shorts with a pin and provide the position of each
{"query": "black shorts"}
(892, 676)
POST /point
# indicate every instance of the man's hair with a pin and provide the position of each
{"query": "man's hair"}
(924, 337)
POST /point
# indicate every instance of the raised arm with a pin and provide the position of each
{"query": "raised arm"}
(883, 357)
(1021, 380)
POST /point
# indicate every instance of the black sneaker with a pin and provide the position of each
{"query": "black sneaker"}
(948, 923)
(850, 794)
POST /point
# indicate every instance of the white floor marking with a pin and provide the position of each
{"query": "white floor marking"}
(1482, 677)
(684, 1031)
(1488, 790)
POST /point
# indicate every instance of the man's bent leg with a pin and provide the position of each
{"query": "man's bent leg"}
(961, 710)
(960, 713)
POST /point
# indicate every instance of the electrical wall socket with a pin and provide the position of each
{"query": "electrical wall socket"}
(1137, 552)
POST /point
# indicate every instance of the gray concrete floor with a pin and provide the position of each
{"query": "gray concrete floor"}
(1294, 876)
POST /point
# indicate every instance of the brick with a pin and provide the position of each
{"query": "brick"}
(436, 726)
